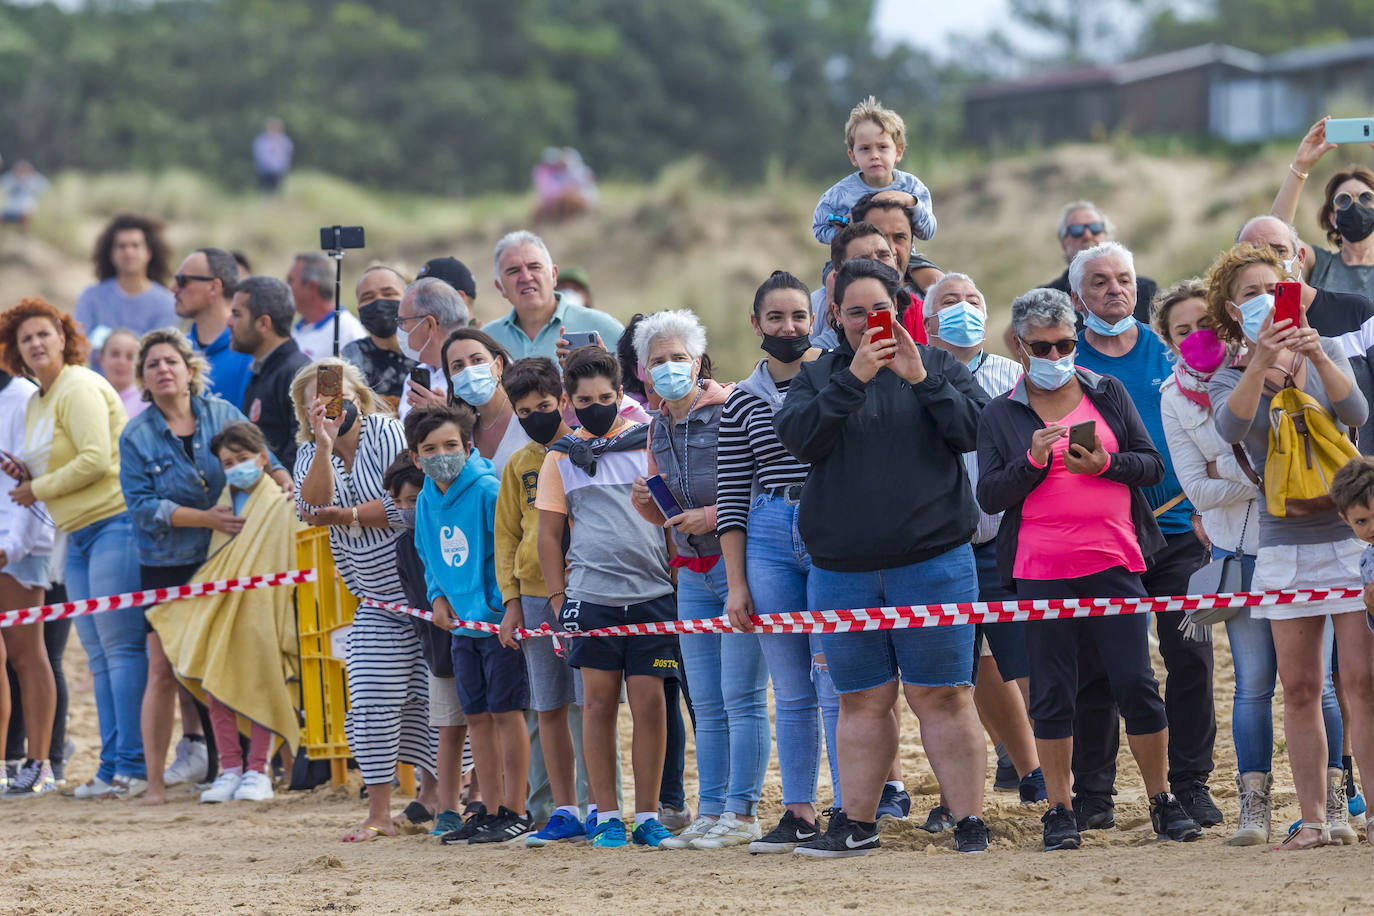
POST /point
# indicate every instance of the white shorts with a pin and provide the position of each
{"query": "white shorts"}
(444, 709)
(1332, 565)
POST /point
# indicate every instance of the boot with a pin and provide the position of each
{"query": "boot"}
(1254, 809)
(1337, 812)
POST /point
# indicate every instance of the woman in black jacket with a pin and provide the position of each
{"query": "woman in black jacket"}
(887, 514)
(1076, 526)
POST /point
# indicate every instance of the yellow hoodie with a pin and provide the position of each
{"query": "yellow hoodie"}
(517, 526)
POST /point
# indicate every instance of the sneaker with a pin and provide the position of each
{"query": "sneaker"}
(842, 839)
(650, 833)
(1356, 804)
(95, 787)
(694, 830)
(1197, 801)
(674, 819)
(790, 832)
(611, 835)
(475, 817)
(938, 820)
(729, 831)
(1094, 812)
(446, 822)
(590, 823)
(1171, 821)
(894, 804)
(1338, 809)
(561, 827)
(505, 827)
(34, 778)
(1255, 809)
(971, 835)
(222, 789)
(191, 765)
(129, 786)
(1006, 779)
(254, 786)
(1032, 787)
(1061, 829)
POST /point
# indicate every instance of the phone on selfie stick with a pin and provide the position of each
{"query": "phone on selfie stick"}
(882, 321)
(334, 239)
(1288, 302)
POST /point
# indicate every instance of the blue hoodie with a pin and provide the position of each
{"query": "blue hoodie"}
(454, 535)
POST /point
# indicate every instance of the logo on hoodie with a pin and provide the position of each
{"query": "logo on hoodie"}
(453, 545)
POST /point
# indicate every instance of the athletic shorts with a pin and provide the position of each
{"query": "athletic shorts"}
(489, 677)
(444, 709)
(652, 656)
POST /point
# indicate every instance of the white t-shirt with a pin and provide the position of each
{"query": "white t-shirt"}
(436, 384)
(317, 340)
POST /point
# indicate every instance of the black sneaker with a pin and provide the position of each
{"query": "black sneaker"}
(785, 837)
(1094, 812)
(475, 817)
(971, 835)
(505, 827)
(1061, 829)
(842, 839)
(893, 804)
(939, 820)
(1006, 779)
(1032, 787)
(1197, 801)
(1171, 821)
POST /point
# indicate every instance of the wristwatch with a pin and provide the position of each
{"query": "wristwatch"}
(355, 530)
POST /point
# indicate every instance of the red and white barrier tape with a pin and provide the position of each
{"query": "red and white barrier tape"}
(151, 596)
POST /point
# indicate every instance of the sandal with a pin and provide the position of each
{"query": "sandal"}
(1323, 836)
(417, 814)
(377, 834)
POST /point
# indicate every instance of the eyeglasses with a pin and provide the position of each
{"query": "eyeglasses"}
(1077, 229)
(183, 279)
(1343, 200)
(402, 321)
(1042, 348)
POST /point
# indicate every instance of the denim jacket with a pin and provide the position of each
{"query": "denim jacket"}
(157, 478)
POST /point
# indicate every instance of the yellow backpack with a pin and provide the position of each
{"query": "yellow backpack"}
(1306, 449)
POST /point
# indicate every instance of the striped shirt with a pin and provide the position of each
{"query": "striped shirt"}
(996, 375)
(749, 450)
(368, 563)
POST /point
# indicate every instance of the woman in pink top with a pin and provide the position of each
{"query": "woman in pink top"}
(117, 356)
(1077, 525)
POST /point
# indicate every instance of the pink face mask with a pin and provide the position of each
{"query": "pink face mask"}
(1202, 351)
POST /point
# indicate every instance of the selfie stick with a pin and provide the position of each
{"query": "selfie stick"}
(337, 254)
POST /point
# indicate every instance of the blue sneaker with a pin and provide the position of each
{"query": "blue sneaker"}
(1356, 803)
(561, 826)
(1032, 787)
(446, 822)
(610, 834)
(590, 824)
(893, 804)
(650, 833)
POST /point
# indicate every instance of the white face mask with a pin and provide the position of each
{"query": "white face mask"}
(404, 341)
(1291, 268)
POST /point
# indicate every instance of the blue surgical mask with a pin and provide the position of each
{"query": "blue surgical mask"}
(961, 325)
(672, 380)
(444, 467)
(475, 384)
(1050, 374)
(1254, 313)
(1098, 326)
(243, 475)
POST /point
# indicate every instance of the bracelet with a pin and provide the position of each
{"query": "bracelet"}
(554, 594)
(1294, 169)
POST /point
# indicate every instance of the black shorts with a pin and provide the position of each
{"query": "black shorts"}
(651, 656)
(488, 676)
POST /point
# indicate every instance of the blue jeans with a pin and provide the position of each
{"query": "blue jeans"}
(101, 560)
(778, 566)
(923, 656)
(729, 688)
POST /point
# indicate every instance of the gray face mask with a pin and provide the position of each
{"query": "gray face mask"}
(443, 468)
(406, 518)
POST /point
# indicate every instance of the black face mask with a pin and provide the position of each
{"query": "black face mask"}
(598, 419)
(541, 425)
(1355, 222)
(379, 317)
(350, 416)
(785, 349)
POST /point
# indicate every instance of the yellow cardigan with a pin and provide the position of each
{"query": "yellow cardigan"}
(71, 446)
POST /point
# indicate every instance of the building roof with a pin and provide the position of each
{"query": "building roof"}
(1319, 56)
(1188, 59)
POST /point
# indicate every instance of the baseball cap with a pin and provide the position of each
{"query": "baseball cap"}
(453, 272)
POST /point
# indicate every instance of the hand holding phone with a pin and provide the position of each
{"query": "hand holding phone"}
(663, 497)
(329, 389)
(1350, 130)
(1084, 435)
(577, 339)
(1288, 303)
(420, 375)
(881, 320)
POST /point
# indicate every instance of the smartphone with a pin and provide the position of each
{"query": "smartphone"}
(334, 238)
(1350, 130)
(329, 389)
(882, 320)
(1288, 302)
(667, 503)
(420, 375)
(577, 339)
(1084, 434)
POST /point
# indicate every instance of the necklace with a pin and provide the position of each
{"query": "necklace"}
(487, 426)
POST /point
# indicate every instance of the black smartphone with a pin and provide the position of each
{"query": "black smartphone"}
(1084, 434)
(577, 339)
(333, 238)
(667, 503)
(420, 376)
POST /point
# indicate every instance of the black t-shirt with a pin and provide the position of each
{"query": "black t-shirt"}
(188, 445)
(1333, 314)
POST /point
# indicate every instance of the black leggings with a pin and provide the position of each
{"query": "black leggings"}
(55, 633)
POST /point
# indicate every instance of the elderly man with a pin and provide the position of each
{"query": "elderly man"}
(379, 355)
(201, 291)
(260, 325)
(311, 279)
(539, 317)
(1113, 342)
(430, 310)
(857, 240)
(1083, 226)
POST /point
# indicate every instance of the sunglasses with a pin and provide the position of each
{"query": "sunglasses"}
(183, 279)
(1042, 348)
(1343, 200)
(1077, 229)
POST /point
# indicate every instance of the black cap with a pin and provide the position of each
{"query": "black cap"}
(453, 272)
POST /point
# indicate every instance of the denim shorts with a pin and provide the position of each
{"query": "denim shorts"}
(922, 656)
(30, 570)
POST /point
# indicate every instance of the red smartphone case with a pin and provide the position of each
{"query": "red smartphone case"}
(1288, 302)
(882, 320)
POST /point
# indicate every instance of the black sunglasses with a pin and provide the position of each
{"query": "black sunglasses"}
(1343, 200)
(1077, 229)
(1042, 348)
(183, 279)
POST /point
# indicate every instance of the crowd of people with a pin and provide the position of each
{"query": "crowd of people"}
(554, 468)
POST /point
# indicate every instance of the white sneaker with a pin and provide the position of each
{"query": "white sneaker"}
(1338, 810)
(223, 789)
(191, 765)
(129, 786)
(729, 831)
(95, 787)
(254, 786)
(694, 830)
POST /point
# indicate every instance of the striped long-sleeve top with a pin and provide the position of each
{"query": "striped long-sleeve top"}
(749, 451)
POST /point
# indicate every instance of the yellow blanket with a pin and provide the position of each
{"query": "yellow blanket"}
(241, 647)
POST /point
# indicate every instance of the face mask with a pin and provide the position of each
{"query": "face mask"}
(475, 384)
(598, 419)
(1050, 374)
(411, 353)
(785, 349)
(1290, 267)
(961, 325)
(541, 425)
(350, 416)
(1355, 222)
(1098, 326)
(243, 475)
(1202, 351)
(1254, 313)
(406, 518)
(672, 380)
(379, 317)
(444, 467)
